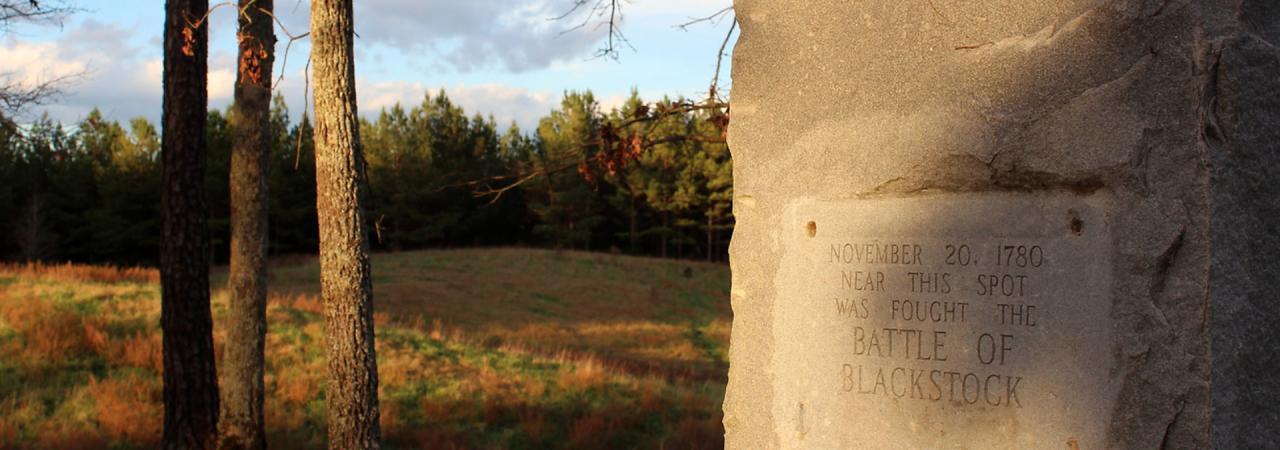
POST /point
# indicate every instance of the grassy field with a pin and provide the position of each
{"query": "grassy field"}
(494, 348)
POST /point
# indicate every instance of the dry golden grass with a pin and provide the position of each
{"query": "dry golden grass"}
(81, 272)
(583, 373)
(128, 409)
(477, 349)
(49, 332)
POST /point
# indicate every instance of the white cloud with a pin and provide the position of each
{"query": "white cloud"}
(505, 103)
(108, 72)
(34, 63)
(611, 102)
(476, 34)
(122, 66)
(103, 67)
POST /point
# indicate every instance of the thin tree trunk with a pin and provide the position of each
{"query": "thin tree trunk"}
(666, 220)
(190, 376)
(710, 244)
(631, 231)
(242, 382)
(345, 283)
(715, 244)
(553, 214)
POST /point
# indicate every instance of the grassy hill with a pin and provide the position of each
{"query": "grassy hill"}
(493, 348)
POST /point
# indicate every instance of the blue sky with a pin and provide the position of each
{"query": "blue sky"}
(499, 57)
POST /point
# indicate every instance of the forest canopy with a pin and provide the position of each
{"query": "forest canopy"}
(89, 192)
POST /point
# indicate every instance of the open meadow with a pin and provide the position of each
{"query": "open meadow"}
(477, 348)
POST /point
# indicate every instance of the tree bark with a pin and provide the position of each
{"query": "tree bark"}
(631, 226)
(242, 382)
(666, 223)
(190, 376)
(710, 244)
(345, 283)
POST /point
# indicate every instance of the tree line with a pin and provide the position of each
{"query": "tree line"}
(205, 188)
(90, 191)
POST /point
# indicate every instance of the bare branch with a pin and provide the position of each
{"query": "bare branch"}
(577, 4)
(497, 193)
(39, 12)
(714, 94)
(608, 142)
(606, 14)
(615, 149)
(16, 96)
(713, 18)
(306, 86)
(284, 62)
(207, 12)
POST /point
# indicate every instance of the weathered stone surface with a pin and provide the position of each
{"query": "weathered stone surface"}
(1244, 137)
(1157, 117)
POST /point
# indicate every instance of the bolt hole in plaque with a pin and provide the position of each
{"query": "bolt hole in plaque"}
(970, 320)
(1076, 225)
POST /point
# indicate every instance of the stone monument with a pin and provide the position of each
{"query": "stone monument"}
(1006, 224)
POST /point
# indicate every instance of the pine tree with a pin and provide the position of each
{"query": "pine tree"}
(190, 383)
(345, 280)
(242, 388)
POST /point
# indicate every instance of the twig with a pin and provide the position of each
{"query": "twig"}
(284, 60)
(15, 10)
(484, 187)
(284, 64)
(711, 18)
(239, 11)
(14, 97)
(497, 193)
(592, 9)
(715, 80)
(306, 86)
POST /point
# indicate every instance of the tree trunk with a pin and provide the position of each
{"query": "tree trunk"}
(666, 221)
(710, 244)
(715, 242)
(190, 376)
(242, 382)
(345, 283)
(631, 226)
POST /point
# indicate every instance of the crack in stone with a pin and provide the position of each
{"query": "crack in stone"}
(1163, 264)
(1210, 130)
(1137, 64)
(1259, 38)
(1160, 10)
(1165, 441)
(1044, 36)
(884, 187)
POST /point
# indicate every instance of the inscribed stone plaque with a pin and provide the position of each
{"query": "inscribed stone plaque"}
(944, 321)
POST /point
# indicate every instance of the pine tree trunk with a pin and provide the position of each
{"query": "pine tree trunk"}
(710, 244)
(242, 382)
(631, 229)
(190, 376)
(666, 222)
(345, 284)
